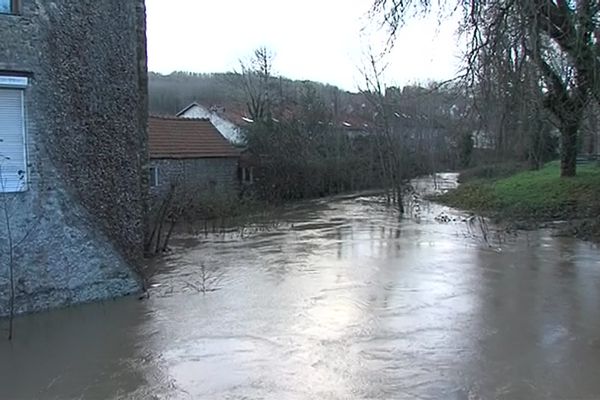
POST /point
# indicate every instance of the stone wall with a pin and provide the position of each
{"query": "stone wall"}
(82, 216)
(201, 176)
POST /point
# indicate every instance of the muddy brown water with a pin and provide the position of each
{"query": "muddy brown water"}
(341, 299)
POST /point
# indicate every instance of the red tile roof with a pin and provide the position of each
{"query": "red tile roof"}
(187, 138)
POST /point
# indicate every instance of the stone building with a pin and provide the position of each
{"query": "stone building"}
(73, 150)
(191, 155)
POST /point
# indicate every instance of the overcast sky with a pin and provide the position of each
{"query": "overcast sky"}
(321, 40)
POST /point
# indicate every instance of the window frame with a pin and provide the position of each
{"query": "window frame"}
(247, 175)
(153, 177)
(24, 187)
(212, 186)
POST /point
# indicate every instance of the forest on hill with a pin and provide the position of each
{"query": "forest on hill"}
(171, 93)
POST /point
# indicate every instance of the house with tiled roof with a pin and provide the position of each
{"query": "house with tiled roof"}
(190, 154)
(229, 122)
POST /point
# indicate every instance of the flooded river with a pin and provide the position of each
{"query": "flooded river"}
(341, 299)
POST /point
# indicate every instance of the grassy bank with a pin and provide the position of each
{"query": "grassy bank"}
(534, 196)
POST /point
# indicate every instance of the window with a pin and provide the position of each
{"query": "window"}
(212, 187)
(248, 175)
(153, 176)
(13, 165)
(9, 6)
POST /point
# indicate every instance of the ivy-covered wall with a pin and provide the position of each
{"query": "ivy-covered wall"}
(82, 216)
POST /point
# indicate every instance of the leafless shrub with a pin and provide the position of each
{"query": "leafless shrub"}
(14, 237)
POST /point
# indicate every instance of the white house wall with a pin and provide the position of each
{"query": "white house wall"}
(228, 129)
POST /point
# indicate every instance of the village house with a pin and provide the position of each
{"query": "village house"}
(227, 122)
(230, 120)
(73, 116)
(230, 123)
(190, 154)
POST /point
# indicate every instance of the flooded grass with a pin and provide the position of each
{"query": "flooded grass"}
(532, 195)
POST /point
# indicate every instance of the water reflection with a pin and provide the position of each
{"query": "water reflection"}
(74, 354)
(343, 300)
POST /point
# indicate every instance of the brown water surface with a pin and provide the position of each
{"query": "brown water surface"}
(342, 299)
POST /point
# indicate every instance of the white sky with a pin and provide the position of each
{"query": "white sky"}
(320, 40)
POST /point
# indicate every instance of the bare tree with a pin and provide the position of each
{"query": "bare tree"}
(257, 76)
(551, 35)
(166, 212)
(7, 210)
(391, 144)
(11, 237)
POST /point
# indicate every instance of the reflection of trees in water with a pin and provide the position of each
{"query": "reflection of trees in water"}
(534, 302)
(94, 351)
(205, 280)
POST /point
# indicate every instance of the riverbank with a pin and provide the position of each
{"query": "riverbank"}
(220, 215)
(534, 199)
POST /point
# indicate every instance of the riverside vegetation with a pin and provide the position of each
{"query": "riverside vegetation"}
(528, 199)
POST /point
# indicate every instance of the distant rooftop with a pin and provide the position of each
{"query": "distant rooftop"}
(236, 114)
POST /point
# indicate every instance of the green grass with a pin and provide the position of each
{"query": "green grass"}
(532, 195)
(493, 171)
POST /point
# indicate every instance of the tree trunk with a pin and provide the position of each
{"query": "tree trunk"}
(568, 155)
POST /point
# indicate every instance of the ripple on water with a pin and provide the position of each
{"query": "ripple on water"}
(339, 300)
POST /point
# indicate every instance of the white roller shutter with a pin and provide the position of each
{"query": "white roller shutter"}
(13, 168)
